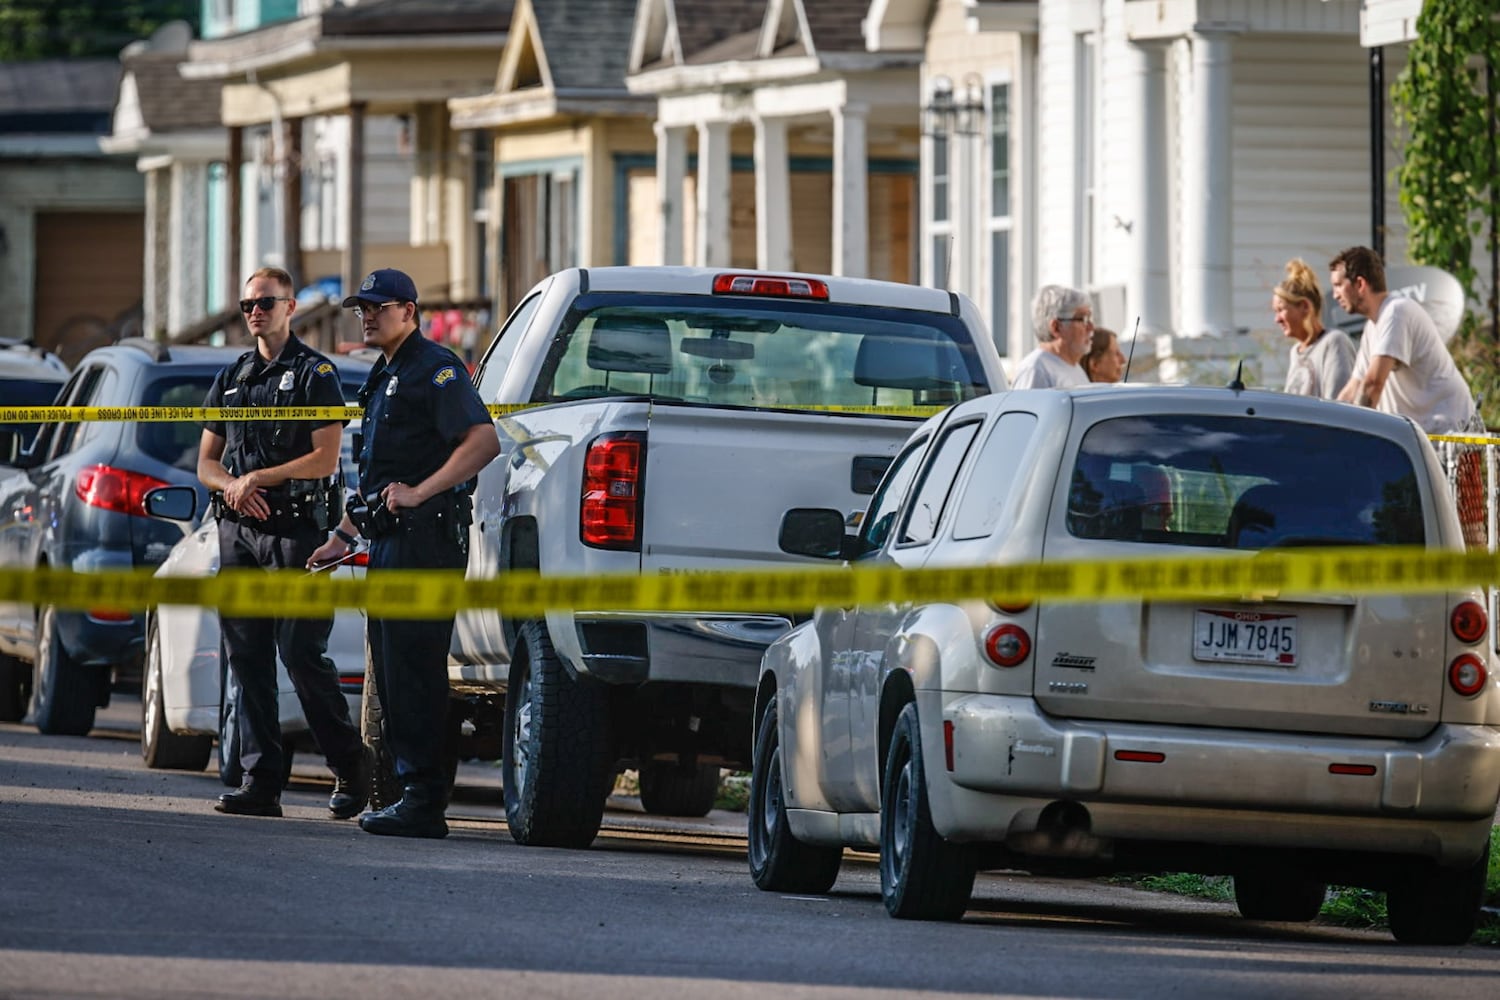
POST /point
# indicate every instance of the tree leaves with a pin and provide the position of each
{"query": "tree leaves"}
(50, 29)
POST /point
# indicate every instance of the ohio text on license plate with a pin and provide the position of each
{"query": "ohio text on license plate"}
(1245, 637)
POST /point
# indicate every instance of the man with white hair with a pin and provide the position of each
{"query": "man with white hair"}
(1064, 322)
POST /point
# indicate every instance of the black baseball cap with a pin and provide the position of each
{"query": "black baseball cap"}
(385, 285)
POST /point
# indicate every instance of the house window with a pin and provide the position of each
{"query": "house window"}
(940, 226)
(539, 230)
(999, 220)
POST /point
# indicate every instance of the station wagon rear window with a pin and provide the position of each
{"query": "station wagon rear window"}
(1241, 483)
(727, 351)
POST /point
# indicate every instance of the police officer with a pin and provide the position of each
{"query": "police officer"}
(426, 434)
(272, 489)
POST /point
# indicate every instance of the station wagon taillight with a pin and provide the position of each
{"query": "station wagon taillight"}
(610, 512)
(771, 286)
(1467, 675)
(1007, 645)
(1469, 622)
(119, 490)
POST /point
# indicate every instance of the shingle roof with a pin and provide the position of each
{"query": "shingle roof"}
(53, 86)
(835, 24)
(169, 102)
(703, 24)
(418, 17)
(587, 42)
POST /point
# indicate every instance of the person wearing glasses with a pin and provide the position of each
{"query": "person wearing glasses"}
(273, 493)
(425, 436)
(1064, 322)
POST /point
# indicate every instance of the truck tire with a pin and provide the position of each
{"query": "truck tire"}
(779, 862)
(63, 692)
(669, 789)
(922, 876)
(14, 679)
(385, 790)
(160, 747)
(557, 765)
(1428, 904)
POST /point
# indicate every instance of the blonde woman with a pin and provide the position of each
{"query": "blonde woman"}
(1322, 359)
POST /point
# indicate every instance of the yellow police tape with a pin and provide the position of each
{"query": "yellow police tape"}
(224, 414)
(1260, 576)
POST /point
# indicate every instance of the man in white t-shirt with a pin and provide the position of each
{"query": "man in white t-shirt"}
(1064, 322)
(1402, 365)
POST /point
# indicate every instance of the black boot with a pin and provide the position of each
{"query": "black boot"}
(351, 788)
(253, 798)
(418, 814)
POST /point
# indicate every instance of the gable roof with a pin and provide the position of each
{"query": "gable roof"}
(835, 25)
(586, 42)
(165, 101)
(716, 30)
(417, 17)
(59, 96)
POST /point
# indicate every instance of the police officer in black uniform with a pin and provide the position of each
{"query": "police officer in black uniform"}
(426, 434)
(274, 495)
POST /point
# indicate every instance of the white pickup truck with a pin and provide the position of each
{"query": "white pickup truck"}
(671, 425)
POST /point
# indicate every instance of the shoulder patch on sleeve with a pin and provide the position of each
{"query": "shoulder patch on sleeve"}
(444, 375)
(325, 368)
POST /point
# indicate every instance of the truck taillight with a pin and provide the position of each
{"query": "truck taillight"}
(119, 490)
(613, 469)
(1467, 675)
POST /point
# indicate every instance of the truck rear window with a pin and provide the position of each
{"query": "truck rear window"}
(773, 353)
(1241, 483)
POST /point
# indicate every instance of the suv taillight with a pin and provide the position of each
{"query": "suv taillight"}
(119, 490)
(613, 468)
(1467, 675)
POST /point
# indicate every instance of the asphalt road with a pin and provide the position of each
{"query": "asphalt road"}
(116, 881)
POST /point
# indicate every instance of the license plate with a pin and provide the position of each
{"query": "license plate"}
(1245, 637)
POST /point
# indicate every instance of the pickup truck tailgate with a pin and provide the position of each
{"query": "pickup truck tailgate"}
(717, 481)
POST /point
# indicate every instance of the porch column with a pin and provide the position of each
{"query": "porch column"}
(773, 196)
(1207, 180)
(1147, 285)
(713, 194)
(671, 169)
(187, 298)
(235, 195)
(354, 202)
(155, 305)
(851, 227)
(291, 200)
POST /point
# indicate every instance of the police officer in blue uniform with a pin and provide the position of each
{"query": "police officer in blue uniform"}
(426, 435)
(274, 495)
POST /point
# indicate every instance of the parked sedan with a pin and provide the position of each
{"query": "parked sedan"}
(1288, 740)
(183, 702)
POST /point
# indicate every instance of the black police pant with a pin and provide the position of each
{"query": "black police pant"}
(410, 657)
(251, 646)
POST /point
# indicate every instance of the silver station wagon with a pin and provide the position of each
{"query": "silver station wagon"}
(1287, 740)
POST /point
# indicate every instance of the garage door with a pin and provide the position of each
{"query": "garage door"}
(89, 274)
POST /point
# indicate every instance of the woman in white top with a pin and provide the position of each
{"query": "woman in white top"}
(1322, 359)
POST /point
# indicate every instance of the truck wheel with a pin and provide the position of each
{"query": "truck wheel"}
(1278, 895)
(63, 692)
(385, 790)
(14, 677)
(669, 789)
(160, 747)
(557, 762)
(922, 876)
(1433, 905)
(779, 862)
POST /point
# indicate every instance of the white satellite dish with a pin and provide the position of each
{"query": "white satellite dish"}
(1434, 289)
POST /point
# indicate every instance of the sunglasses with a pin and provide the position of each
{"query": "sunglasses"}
(266, 303)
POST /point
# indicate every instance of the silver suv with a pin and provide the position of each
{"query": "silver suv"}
(1288, 740)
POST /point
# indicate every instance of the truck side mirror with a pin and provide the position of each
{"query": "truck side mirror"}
(812, 531)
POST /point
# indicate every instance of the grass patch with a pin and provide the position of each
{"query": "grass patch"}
(1345, 906)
